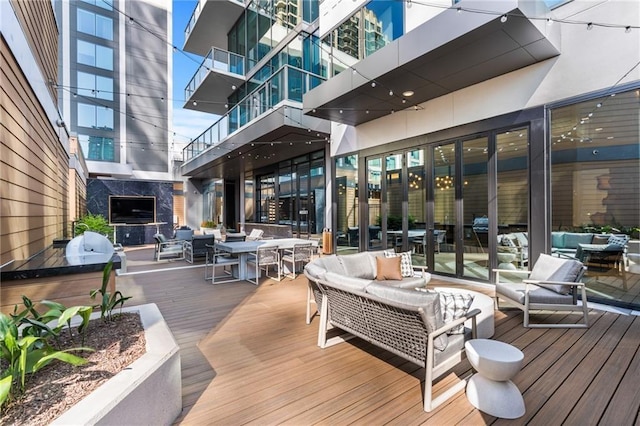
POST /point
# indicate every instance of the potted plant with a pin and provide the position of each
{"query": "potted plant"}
(93, 222)
(207, 226)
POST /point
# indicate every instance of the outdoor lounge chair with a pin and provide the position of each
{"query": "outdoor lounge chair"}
(255, 235)
(552, 284)
(168, 248)
(197, 247)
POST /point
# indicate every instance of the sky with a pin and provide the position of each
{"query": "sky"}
(187, 124)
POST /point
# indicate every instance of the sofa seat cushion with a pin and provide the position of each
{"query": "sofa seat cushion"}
(410, 283)
(516, 291)
(551, 268)
(429, 302)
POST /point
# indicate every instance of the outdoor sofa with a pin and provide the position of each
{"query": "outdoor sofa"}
(390, 314)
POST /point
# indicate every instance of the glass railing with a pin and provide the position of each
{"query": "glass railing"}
(216, 59)
(286, 84)
(196, 14)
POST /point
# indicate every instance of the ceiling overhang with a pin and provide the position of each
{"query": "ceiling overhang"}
(281, 134)
(212, 25)
(213, 92)
(449, 52)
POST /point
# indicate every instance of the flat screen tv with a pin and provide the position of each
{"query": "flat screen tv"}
(133, 210)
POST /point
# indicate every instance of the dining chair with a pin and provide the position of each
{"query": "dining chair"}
(262, 259)
(219, 259)
(300, 253)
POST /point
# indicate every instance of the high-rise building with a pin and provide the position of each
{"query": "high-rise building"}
(115, 80)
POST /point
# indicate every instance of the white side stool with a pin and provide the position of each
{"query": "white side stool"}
(491, 390)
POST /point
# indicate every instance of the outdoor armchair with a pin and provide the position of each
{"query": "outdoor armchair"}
(553, 284)
(197, 247)
(168, 248)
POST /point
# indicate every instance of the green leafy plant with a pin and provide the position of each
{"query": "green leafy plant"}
(394, 222)
(93, 222)
(108, 301)
(33, 323)
(27, 353)
(208, 224)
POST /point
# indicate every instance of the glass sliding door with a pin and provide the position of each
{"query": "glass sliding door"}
(417, 217)
(392, 213)
(346, 202)
(444, 207)
(474, 189)
(374, 203)
(512, 194)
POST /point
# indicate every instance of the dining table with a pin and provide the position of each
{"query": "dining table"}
(243, 248)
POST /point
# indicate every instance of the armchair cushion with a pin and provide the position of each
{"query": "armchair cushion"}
(551, 268)
(388, 268)
(537, 294)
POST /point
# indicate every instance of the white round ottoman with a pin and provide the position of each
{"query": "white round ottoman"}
(491, 390)
(486, 304)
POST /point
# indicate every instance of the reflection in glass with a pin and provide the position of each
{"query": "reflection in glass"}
(444, 192)
(346, 202)
(374, 187)
(595, 187)
(475, 213)
(394, 201)
(513, 199)
(417, 208)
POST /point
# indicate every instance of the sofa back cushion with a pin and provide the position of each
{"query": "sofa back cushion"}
(359, 265)
(330, 263)
(551, 268)
(347, 283)
(429, 302)
(573, 239)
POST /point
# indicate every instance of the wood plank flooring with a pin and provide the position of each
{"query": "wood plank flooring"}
(249, 358)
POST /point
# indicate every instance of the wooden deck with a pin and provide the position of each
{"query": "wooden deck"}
(249, 358)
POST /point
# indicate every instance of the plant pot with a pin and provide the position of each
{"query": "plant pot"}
(149, 391)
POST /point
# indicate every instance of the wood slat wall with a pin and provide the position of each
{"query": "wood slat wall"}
(40, 28)
(34, 165)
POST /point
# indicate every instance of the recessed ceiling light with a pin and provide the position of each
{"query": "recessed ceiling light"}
(407, 93)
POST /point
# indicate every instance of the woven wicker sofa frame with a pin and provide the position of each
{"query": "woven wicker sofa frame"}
(398, 328)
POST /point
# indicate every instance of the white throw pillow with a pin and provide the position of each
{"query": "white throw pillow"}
(455, 306)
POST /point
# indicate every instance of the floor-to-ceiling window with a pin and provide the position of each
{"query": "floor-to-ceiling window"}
(444, 202)
(473, 187)
(595, 184)
(346, 202)
(512, 194)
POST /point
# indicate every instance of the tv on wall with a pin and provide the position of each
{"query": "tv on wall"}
(132, 210)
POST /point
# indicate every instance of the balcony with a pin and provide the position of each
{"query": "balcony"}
(214, 80)
(447, 53)
(209, 24)
(276, 103)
